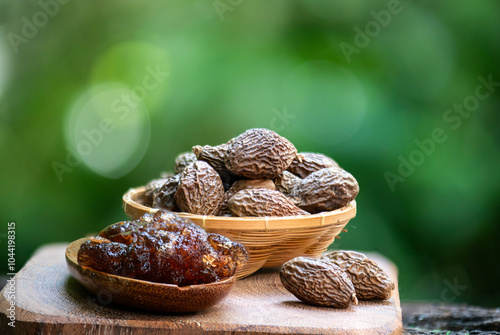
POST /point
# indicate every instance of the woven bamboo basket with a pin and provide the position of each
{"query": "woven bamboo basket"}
(269, 241)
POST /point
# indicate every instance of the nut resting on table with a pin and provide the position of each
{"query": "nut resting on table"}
(338, 279)
(164, 248)
(258, 173)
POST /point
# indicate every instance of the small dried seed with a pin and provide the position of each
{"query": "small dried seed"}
(215, 156)
(287, 183)
(310, 162)
(228, 178)
(242, 185)
(200, 190)
(183, 160)
(262, 202)
(326, 190)
(369, 280)
(318, 282)
(164, 196)
(259, 154)
(151, 187)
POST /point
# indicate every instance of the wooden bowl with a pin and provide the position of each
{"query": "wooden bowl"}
(144, 294)
(269, 241)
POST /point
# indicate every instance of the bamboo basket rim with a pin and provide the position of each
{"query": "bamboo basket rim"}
(248, 223)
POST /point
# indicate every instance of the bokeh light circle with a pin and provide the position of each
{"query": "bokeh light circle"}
(108, 129)
(143, 66)
(4, 61)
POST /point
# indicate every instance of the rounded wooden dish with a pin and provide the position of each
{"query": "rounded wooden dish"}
(144, 294)
(269, 241)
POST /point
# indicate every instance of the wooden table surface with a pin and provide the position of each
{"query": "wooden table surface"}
(49, 301)
(418, 317)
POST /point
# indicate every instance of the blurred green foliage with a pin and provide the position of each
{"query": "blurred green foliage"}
(234, 65)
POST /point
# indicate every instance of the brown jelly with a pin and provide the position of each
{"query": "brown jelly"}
(164, 248)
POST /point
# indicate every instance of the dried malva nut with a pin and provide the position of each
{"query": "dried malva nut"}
(262, 202)
(310, 162)
(287, 183)
(164, 196)
(200, 190)
(228, 178)
(183, 160)
(326, 190)
(259, 154)
(369, 280)
(215, 156)
(151, 187)
(318, 282)
(242, 185)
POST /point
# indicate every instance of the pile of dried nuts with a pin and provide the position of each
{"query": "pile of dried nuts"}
(337, 279)
(258, 173)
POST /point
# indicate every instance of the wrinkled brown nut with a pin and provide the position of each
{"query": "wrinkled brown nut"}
(259, 154)
(242, 185)
(311, 162)
(215, 156)
(183, 160)
(164, 196)
(151, 187)
(228, 178)
(287, 183)
(318, 282)
(262, 202)
(369, 280)
(326, 190)
(200, 190)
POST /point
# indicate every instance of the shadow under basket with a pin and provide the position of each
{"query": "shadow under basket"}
(269, 241)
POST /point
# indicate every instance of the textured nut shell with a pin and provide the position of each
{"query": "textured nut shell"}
(310, 162)
(215, 156)
(242, 185)
(183, 160)
(151, 187)
(369, 280)
(164, 196)
(317, 282)
(262, 202)
(259, 154)
(326, 190)
(228, 178)
(200, 190)
(287, 183)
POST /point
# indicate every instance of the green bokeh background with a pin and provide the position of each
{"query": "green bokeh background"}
(234, 65)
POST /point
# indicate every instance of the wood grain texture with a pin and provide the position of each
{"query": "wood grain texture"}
(425, 318)
(49, 300)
